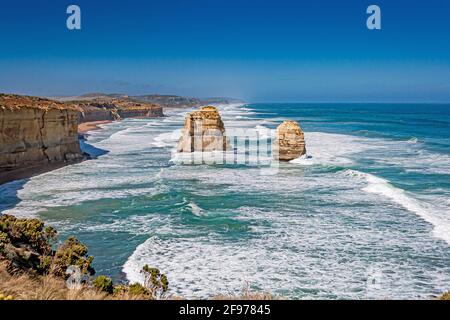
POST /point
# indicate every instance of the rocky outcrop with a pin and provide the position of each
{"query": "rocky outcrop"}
(111, 109)
(203, 131)
(35, 131)
(289, 143)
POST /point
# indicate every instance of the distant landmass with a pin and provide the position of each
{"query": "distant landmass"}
(167, 101)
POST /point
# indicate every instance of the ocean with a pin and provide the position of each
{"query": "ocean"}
(366, 215)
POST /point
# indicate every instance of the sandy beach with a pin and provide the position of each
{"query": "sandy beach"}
(90, 126)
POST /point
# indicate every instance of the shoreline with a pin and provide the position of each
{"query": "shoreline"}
(34, 170)
(85, 127)
(31, 171)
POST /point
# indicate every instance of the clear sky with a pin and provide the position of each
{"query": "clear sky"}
(258, 50)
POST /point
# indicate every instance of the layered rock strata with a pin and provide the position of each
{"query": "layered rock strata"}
(289, 143)
(115, 109)
(203, 131)
(35, 131)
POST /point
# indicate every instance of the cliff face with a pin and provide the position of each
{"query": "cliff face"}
(100, 109)
(290, 141)
(130, 109)
(95, 111)
(203, 131)
(36, 131)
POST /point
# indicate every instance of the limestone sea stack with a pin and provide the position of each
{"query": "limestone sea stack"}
(289, 143)
(35, 131)
(203, 131)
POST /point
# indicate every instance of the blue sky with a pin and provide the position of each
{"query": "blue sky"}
(261, 50)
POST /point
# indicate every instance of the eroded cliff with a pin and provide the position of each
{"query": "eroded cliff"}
(35, 131)
(100, 109)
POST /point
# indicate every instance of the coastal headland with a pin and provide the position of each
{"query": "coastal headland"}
(41, 134)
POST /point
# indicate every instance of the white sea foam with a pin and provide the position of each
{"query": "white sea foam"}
(219, 157)
(281, 249)
(195, 209)
(264, 132)
(428, 212)
(104, 178)
(413, 140)
(167, 139)
(331, 149)
(412, 158)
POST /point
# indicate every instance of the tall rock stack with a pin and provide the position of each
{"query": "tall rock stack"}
(203, 131)
(289, 143)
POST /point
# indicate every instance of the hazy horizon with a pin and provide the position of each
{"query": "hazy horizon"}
(236, 98)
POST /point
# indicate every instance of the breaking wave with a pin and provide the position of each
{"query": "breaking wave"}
(428, 212)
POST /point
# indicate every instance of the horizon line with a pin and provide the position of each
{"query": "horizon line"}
(230, 97)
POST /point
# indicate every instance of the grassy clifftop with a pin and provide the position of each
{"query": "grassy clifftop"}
(16, 102)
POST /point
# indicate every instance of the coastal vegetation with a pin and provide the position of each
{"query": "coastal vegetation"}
(33, 266)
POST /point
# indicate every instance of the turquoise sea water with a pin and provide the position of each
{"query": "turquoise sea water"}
(365, 215)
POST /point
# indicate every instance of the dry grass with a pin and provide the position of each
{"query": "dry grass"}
(445, 296)
(24, 287)
(247, 294)
(17, 102)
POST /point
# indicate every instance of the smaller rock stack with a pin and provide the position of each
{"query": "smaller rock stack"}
(203, 131)
(289, 143)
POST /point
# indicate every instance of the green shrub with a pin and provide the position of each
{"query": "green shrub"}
(4, 240)
(138, 289)
(45, 263)
(104, 284)
(72, 253)
(155, 281)
(134, 289)
(25, 244)
(28, 232)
